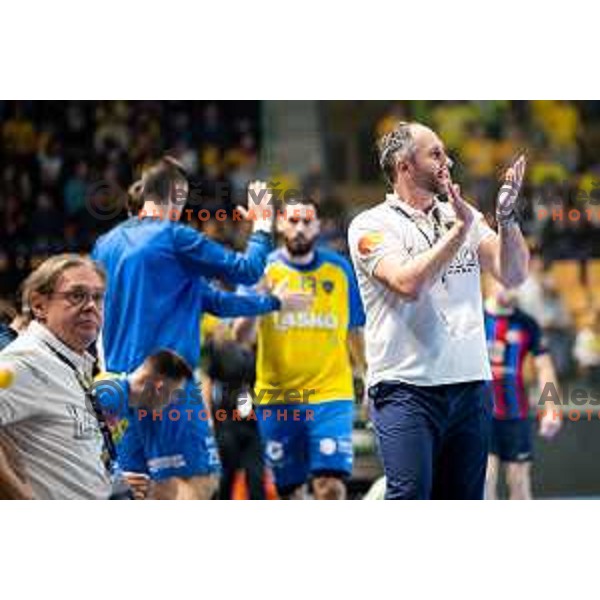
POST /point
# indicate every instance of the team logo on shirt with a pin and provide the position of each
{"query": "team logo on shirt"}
(86, 424)
(369, 242)
(274, 450)
(465, 261)
(305, 320)
(327, 446)
(327, 286)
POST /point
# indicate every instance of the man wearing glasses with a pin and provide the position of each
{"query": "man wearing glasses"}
(52, 440)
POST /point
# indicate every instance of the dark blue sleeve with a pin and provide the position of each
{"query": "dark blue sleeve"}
(203, 256)
(231, 304)
(357, 313)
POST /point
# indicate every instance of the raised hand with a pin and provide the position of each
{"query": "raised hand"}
(259, 211)
(509, 192)
(464, 214)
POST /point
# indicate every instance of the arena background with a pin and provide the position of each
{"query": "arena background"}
(65, 167)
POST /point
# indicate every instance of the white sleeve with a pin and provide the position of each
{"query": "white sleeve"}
(20, 396)
(369, 242)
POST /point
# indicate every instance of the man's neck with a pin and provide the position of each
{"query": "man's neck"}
(78, 349)
(416, 198)
(157, 209)
(74, 347)
(302, 260)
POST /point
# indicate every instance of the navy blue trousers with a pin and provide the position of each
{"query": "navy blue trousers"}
(433, 440)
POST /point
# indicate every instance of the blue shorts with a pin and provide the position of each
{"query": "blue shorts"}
(512, 440)
(312, 439)
(433, 440)
(178, 444)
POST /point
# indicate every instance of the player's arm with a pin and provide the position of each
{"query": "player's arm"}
(506, 255)
(410, 277)
(17, 403)
(244, 330)
(231, 304)
(356, 350)
(13, 483)
(203, 256)
(551, 421)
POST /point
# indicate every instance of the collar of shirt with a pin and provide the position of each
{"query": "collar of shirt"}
(84, 363)
(411, 211)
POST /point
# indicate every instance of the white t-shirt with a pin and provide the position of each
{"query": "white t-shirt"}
(440, 338)
(44, 414)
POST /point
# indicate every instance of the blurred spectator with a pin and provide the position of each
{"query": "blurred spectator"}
(559, 122)
(19, 134)
(557, 326)
(452, 121)
(13, 221)
(76, 189)
(50, 161)
(212, 132)
(111, 133)
(7, 316)
(587, 350)
(46, 222)
(77, 132)
(478, 154)
(187, 156)
(530, 295)
(315, 184)
(246, 170)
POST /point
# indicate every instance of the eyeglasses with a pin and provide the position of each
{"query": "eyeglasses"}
(80, 297)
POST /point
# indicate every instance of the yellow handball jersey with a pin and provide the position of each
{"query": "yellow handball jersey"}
(307, 351)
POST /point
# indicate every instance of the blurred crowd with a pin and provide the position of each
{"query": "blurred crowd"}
(60, 161)
(561, 140)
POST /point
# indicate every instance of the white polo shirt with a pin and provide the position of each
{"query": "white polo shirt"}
(45, 416)
(440, 338)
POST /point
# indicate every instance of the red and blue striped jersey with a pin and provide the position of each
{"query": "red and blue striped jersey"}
(510, 338)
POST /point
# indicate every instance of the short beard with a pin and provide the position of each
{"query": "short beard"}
(299, 248)
(430, 183)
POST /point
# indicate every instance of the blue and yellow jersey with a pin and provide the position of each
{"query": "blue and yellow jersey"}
(307, 351)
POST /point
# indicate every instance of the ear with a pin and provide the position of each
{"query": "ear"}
(403, 166)
(39, 306)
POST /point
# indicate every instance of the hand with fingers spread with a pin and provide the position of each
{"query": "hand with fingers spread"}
(464, 214)
(509, 192)
(290, 300)
(259, 210)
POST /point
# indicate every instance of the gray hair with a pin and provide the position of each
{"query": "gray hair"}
(44, 279)
(394, 146)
